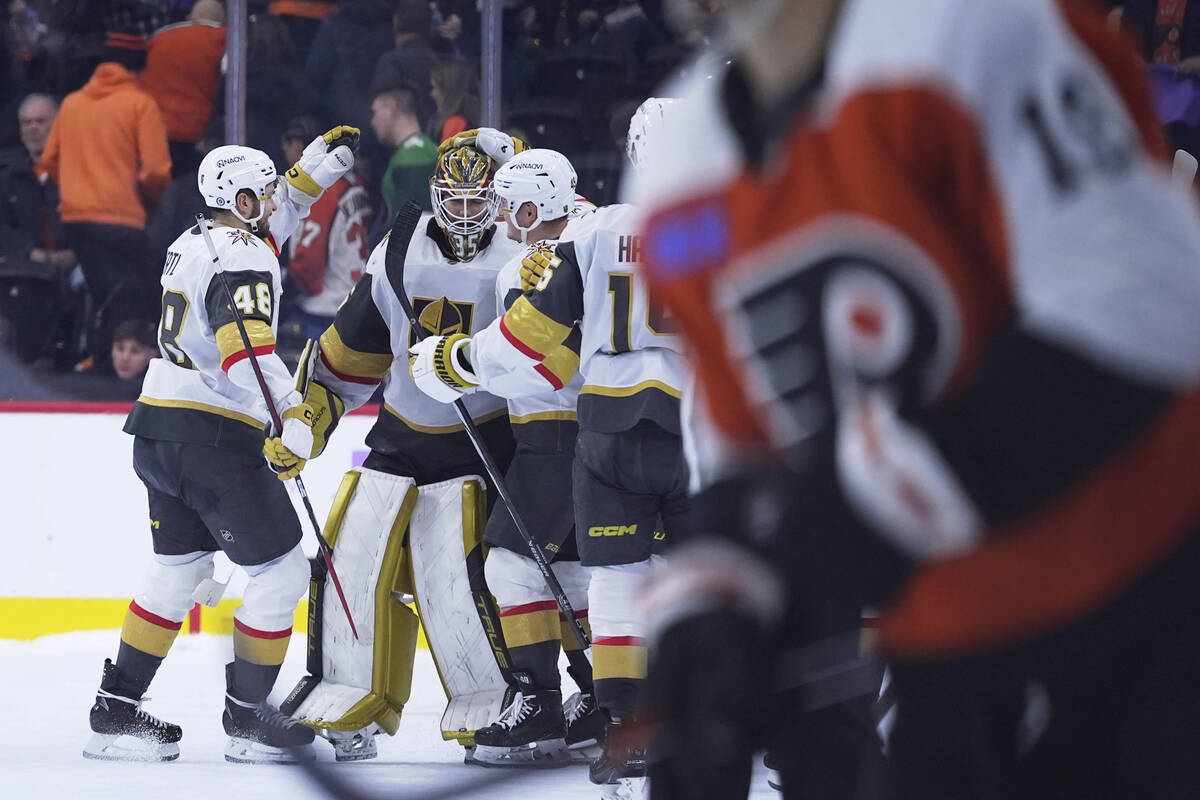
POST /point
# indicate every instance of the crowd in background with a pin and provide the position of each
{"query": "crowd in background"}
(107, 106)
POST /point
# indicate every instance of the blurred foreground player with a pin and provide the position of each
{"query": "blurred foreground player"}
(199, 445)
(942, 298)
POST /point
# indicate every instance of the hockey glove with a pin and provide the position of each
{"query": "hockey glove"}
(287, 454)
(537, 268)
(439, 367)
(327, 407)
(495, 144)
(326, 159)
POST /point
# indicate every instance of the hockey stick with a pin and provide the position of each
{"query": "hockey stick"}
(394, 257)
(276, 422)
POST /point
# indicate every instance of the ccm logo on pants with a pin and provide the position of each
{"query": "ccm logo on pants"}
(612, 530)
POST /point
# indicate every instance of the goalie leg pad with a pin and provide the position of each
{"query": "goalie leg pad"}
(365, 682)
(457, 610)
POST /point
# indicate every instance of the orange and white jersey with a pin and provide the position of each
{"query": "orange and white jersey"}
(959, 279)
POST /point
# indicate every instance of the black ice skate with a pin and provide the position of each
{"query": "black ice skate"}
(585, 726)
(121, 731)
(621, 766)
(259, 733)
(530, 732)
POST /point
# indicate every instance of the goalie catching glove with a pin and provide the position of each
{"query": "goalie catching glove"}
(327, 158)
(440, 369)
(287, 454)
(495, 144)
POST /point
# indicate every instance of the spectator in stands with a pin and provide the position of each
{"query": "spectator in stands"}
(455, 89)
(329, 252)
(342, 60)
(302, 17)
(276, 87)
(35, 261)
(394, 120)
(456, 28)
(135, 342)
(183, 72)
(12, 88)
(182, 200)
(107, 151)
(412, 59)
(1169, 31)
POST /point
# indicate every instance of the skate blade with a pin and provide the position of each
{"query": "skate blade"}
(112, 747)
(546, 754)
(626, 789)
(247, 751)
(355, 750)
(585, 752)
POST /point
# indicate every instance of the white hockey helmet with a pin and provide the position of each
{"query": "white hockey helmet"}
(646, 123)
(231, 168)
(539, 176)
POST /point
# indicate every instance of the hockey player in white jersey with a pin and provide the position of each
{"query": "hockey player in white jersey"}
(199, 444)
(419, 488)
(533, 728)
(630, 479)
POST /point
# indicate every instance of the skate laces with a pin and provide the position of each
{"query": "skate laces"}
(138, 714)
(579, 705)
(265, 712)
(520, 708)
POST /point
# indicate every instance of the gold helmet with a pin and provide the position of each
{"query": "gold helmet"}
(458, 191)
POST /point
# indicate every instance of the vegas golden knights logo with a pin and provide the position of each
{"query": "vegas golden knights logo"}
(442, 317)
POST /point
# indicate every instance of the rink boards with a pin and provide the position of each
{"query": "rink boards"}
(78, 541)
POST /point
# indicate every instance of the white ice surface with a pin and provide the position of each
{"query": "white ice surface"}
(48, 686)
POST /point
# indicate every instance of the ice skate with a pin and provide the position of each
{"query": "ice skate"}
(585, 726)
(353, 745)
(259, 734)
(620, 769)
(122, 731)
(531, 732)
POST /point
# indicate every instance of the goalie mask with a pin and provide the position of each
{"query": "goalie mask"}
(232, 168)
(459, 191)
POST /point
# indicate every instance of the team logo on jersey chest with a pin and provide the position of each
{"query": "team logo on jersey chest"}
(442, 316)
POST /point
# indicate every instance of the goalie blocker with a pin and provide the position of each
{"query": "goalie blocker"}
(389, 538)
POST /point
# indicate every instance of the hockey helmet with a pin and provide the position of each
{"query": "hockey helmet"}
(459, 193)
(232, 168)
(539, 176)
(646, 123)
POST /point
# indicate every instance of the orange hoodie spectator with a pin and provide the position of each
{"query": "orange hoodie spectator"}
(108, 153)
(183, 71)
(108, 150)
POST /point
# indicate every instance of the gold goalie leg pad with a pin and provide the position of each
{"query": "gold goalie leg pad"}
(365, 682)
(461, 622)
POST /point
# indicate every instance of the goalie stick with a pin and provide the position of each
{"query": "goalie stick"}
(276, 422)
(394, 256)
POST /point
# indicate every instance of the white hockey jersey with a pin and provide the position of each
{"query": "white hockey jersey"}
(546, 392)
(629, 357)
(203, 389)
(369, 339)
